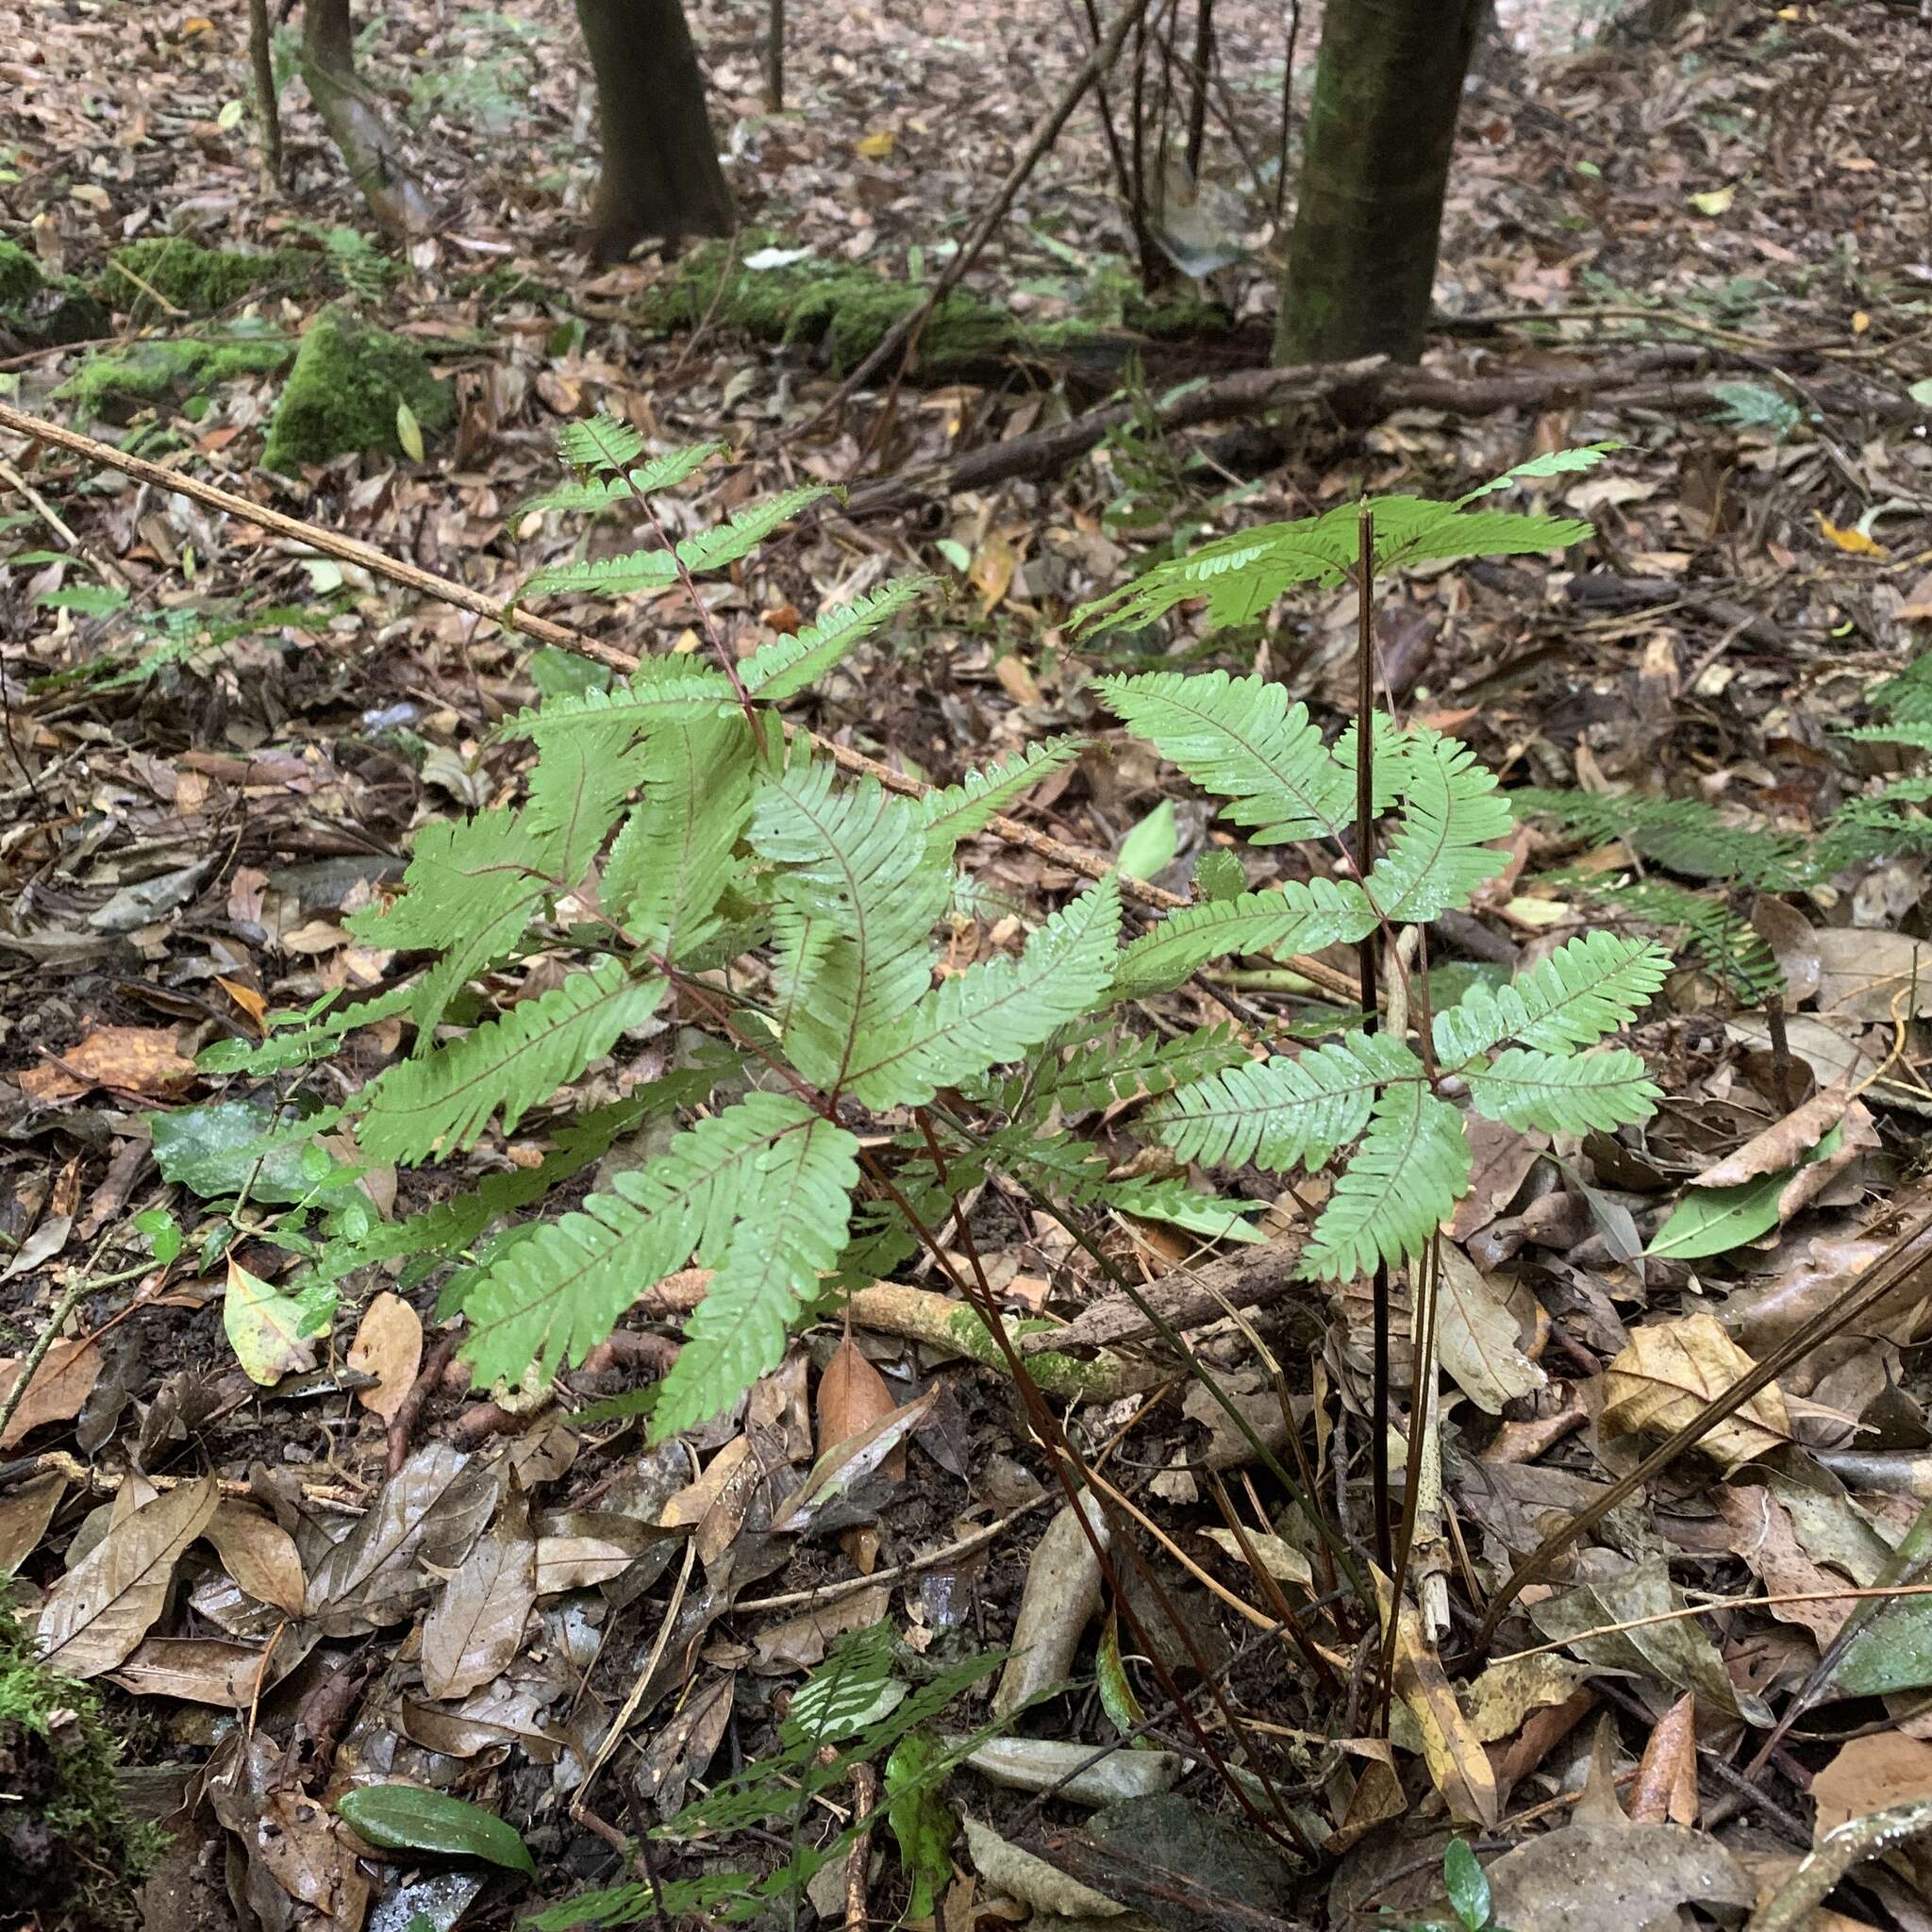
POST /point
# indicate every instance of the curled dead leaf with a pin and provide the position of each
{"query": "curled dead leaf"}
(1670, 1370)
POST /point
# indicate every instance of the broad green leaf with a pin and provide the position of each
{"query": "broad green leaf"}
(264, 1328)
(408, 1818)
(1149, 848)
(1713, 1221)
(921, 1821)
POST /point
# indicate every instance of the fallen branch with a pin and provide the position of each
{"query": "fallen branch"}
(1354, 390)
(1074, 859)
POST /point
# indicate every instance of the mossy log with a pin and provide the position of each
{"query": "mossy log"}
(341, 395)
(38, 308)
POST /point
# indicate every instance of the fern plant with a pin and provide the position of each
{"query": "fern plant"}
(691, 863)
(1694, 839)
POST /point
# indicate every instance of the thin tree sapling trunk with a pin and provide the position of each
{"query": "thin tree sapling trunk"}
(367, 141)
(267, 107)
(660, 178)
(1374, 171)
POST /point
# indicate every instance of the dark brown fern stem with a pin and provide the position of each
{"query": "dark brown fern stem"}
(1365, 956)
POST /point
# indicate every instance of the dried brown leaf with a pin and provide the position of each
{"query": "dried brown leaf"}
(259, 1554)
(1782, 1144)
(387, 1345)
(62, 1384)
(1670, 1370)
(478, 1625)
(1478, 1338)
(1666, 1788)
(105, 1605)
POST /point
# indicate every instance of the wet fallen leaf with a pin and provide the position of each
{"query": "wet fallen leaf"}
(263, 1327)
(1870, 976)
(25, 1514)
(852, 1397)
(1612, 1878)
(103, 1606)
(205, 1670)
(1669, 1372)
(387, 1345)
(847, 1464)
(478, 1625)
(1872, 1775)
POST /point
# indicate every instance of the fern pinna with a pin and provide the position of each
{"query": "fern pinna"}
(691, 862)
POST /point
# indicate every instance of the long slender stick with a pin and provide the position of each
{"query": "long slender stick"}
(1365, 956)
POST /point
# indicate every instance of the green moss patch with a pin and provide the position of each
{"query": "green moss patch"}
(848, 312)
(341, 395)
(38, 308)
(68, 1850)
(147, 372)
(200, 280)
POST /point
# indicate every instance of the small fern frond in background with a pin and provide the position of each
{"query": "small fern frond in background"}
(788, 665)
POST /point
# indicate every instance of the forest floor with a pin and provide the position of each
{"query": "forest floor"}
(222, 740)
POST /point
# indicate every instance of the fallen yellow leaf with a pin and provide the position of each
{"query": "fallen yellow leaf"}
(1714, 201)
(876, 147)
(1854, 542)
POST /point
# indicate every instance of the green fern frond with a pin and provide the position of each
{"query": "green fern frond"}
(725, 543)
(1555, 462)
(578, 790)
(1562, 1092)
(1587, 988)
(1283, 1113)
(858, 894)
(787, 666)
(791, 1224)
(1443, 851)
(1907, 699)
(991, 1013)
(670, 864)
(1241, 575)
(302, 1040)
(1916, 736)
(1730, 947)
(555, 1295)
(472, 888)
(1097, 1072)
(605, 491)
(441, 1100)
(960, 811)
(662, 690)
(1297, 918)
(601, 577)
(1685, 834)
(1178, 1205)
(599, 443)
(1412, 1166)
(1242, 739)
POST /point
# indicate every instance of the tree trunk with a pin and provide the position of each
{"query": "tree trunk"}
(1374, 171)
(368, 143)
(661, 177)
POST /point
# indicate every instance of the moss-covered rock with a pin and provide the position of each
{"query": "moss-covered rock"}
(69, 1852)
(38, 308)
(341, 395)
(201, 280)
(146, 372)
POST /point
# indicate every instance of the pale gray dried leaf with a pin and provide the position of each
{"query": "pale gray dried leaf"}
(259, 1554)
(1873, 975)
(106, 1604)
(1782, 1144)
(1478, 1338)
(140, 905)
(1612, 1878)
(1018, 1874)
(1033, 1764)
(1058, 1599)
(478, 1625)
(685, 1746)
(1679, 1652)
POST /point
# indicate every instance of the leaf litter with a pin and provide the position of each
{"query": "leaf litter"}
(198, 826)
